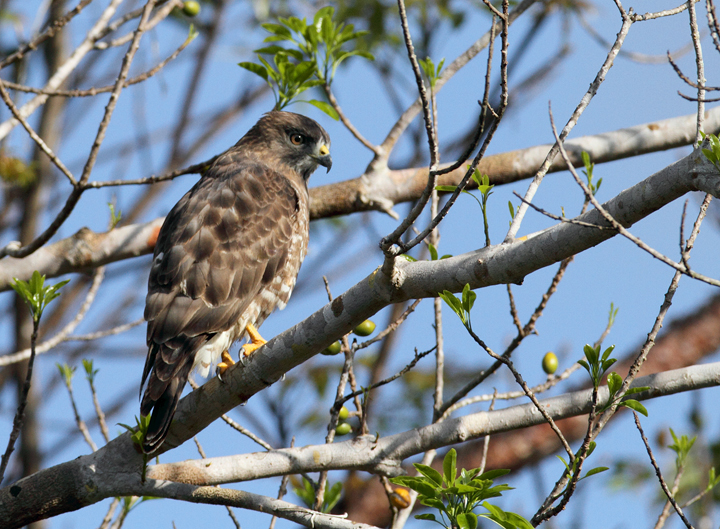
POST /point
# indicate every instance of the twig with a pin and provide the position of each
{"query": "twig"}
(513, 311)
(50, 32)
(418, 357)
(713, 23)
(390, 328)
(700, 65)
(686, 79)
(20, 414)
(486, 440)
(37, 139)
(63, 335)
(388, 241)
(99, 412)
(109, 514)
(658, 473)
(594, 86)
(660, 14)
(345, 121)
(102, 334)
(399, 247)
(619, 227)
(519, 379)
(673, 491)
(90, 92)
(450, 405)
(82, 427)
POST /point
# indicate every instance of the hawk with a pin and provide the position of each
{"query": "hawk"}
(226, 256)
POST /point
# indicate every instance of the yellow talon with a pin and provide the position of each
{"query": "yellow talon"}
(223, 366)
(256, 341)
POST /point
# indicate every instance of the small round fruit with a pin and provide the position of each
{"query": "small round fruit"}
(191, 7)
(343, 414)
(343, 428)
(366, 328)
(332, 349)
(550, 363)
(400, 498)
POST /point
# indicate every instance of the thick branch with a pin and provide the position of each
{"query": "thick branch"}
(359, 194)
(115, 470)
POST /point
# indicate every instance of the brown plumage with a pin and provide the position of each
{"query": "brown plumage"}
(227, 255)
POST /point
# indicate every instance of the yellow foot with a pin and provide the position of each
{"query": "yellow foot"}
(223, 366)
(256, 341)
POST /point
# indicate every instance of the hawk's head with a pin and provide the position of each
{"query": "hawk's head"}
(295, 140)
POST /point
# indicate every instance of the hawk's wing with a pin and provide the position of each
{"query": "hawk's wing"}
(225, 240)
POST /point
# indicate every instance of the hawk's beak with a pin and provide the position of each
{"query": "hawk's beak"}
(324, 158)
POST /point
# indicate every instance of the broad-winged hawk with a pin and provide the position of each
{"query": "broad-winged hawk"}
(227, 255)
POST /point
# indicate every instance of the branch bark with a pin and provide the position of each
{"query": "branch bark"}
(86, 249)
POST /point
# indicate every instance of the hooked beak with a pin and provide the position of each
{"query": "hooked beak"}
(324, 158)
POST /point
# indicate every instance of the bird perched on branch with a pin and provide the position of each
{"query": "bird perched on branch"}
(226, 256)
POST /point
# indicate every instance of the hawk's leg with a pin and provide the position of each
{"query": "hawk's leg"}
(256, 341)
(223, 366)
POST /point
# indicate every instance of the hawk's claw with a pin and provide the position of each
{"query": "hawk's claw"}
(256, 341)
(223, 366)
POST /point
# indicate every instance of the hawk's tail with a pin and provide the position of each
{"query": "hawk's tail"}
(163, 410)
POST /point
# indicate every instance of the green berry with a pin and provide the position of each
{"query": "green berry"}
(550, 363)
(343, 428)
(332, 349)
(191, 7)
(344, 414)
(366, 328)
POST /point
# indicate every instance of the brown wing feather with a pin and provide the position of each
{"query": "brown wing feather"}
(222, 242)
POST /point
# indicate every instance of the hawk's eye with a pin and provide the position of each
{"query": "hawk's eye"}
(297, 139)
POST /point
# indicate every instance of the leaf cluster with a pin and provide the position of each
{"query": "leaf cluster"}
(713, 153)
(461, 307)
(432, 72)
(313, 53)
(589, 166)
(36, 294)
(456, 497)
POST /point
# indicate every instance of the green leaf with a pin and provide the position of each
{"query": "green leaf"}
(429, 472)
(322, 13)
(255, 68)
(332, 496)
(614, 382)
(596, 470)
(467, 520)
(607, 352)
(512, 209)
(433, 252)
(634, 405)
(454, 303)
(277, 29)
(426, 516)
(492, 474)
(420, 485)
(449, 464)
(325, 107)
(468, 298)
(590, 353)
(433, 502)
(447, 189)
